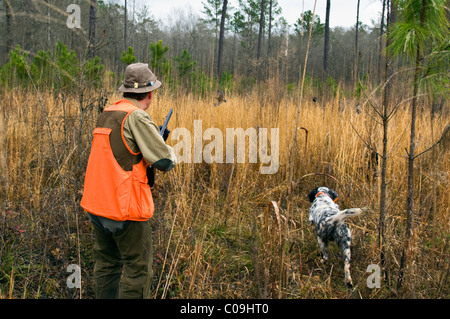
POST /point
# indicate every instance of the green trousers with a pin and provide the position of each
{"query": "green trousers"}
(123, 260)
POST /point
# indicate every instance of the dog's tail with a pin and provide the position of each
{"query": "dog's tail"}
(340, 217)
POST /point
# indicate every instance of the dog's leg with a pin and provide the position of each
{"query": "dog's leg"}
(323, 249)
(344, 243)
(347, 255)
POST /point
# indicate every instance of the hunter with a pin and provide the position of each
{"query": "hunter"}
(117, 196)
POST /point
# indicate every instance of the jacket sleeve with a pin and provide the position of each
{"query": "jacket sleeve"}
(142, 135)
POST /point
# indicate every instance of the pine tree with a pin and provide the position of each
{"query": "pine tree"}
(421, 28)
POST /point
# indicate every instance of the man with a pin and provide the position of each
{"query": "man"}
(116, 193)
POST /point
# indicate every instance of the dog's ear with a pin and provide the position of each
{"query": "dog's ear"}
(313, 194)
(332, 194)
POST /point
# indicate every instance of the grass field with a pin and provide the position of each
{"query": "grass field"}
(216, 232)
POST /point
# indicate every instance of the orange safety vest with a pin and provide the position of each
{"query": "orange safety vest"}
(116, 184)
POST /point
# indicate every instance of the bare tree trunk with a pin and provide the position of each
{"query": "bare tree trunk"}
(261, 29)
(125, 18)
(355, 58)
(48, 25)
(270, 28)
(92, 22)
(9, 35)
(221, 35)
(386, 113)
(411, 157)
(27, 43)
(132, 19)
(380, 48)
(260, 37)
(382, 221)
(326, 48)
(233, 59)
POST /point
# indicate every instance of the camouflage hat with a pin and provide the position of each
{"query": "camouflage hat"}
(139, 79)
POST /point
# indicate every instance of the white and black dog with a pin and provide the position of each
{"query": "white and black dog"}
(329, 221)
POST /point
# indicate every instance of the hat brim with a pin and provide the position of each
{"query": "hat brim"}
(146, 89)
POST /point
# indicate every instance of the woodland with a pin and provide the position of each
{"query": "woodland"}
(363, 110)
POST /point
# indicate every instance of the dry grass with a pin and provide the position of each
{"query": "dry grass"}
(214, 234)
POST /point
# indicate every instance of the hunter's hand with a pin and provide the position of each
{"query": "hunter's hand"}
(165, 134)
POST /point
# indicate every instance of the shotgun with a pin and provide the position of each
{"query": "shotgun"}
(166, 122)
(150, 169)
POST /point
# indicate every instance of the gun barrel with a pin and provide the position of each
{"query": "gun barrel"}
(166, 122)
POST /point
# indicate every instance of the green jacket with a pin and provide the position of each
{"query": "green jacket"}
(142, 135)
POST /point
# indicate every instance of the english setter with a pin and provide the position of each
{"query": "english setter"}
(329, 221)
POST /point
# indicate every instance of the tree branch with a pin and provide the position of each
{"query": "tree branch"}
(365, 143)
(443, 136)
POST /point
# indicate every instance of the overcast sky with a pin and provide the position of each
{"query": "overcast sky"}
(343, 12)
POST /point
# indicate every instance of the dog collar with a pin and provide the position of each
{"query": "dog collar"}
(323, 193)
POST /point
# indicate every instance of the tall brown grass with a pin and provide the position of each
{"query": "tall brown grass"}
(217, 233)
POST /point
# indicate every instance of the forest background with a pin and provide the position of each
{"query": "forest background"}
(363, 110)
